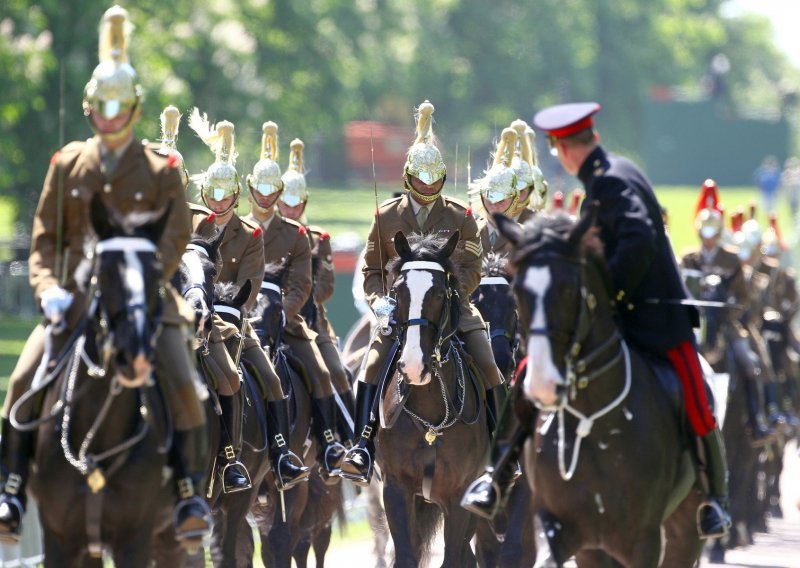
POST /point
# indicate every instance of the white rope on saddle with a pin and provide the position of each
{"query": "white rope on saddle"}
(586, 422)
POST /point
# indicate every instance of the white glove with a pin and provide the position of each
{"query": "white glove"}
(55, 303)
(383, 308)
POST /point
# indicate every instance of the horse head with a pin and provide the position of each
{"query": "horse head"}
(495, 300)
(126, 286)
(562, 288)
(425, 287)
(196, 275)
(229, 299)
(268, 311)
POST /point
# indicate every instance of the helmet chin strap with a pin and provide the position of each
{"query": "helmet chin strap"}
(258, 207)
(419, 196)
(223, 213)
(122, 133)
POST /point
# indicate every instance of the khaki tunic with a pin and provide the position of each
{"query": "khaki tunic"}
(501, 244)
(446, 216)
(323, 280)
(142, 181)
(724, 263)
(286, 241)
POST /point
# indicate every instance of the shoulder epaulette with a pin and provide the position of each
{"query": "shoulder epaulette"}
(67, 151)
(391, 201)
(294, 224)
(254, 227)
(457, 202)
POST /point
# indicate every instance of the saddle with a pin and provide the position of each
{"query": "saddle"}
(672, 390)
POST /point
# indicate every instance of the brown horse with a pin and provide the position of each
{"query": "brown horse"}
(610, 455)
(101, 445)
(435, 436)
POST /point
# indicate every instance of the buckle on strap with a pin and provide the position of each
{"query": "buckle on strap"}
(230, 453)
(280, 441)
(328, 435)
(13, 483)
(366, 432)
(185, 488)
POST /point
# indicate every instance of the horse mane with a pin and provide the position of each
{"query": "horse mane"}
(273, 272)
(495, 264)
(427, 248)
(225, 292)
(550, 233)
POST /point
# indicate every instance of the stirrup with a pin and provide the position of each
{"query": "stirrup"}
(243, 470)
(357, 478)
(721, 514)
(282, 485)
(201, 526)
(470, 504)
(11, 535)
(331, 476)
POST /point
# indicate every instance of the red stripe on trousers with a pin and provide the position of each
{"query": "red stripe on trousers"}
(687, 365)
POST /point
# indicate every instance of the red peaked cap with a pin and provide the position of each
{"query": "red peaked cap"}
(709, 197)
(563, 120)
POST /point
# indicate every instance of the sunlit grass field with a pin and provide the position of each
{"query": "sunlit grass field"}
(347, 212)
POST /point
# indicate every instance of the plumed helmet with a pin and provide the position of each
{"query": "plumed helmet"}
(114, 86)
(748, 240)
(220, 180)
(708, 198)
(424, 161)
(708, 223)
(771, 241)
(170, 123)
(530, 175)
(294, 180)
(523, 159)
(266, 177)
(499, 181)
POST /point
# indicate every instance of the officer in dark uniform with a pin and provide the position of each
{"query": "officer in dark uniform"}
(645, 274)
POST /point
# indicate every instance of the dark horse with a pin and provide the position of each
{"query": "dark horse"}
(506, 540)
(101, 447)
(433, 435)
(279, 537)
(610, 454)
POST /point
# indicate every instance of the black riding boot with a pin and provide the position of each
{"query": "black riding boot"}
(15, 454)
(761, 434)
(486, 495)
(233, 472)
(775, 416)
(192, 519)
(343, 427)
(357, 465)
(713, 520)
(499, 402)
(331, 452)
(286, 465)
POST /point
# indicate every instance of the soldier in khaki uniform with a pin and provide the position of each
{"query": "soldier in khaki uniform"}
(496, 192)
(287, 242)
(292, 205)
(242, 253)
(713, 258)
(422, 209)
(130, 177)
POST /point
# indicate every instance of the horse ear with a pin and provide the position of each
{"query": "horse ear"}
(587, 220)
(451, 243)
(100, 218)
(243, 294)
(508, 228)
(216, 241)
(401, 245)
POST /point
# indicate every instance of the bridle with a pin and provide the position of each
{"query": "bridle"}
(446, 318)
(278, 335)
(494, 331)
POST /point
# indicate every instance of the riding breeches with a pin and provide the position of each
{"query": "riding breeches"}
(333, 362)
(309, 354)
(475, 342)
(173, 365)
(254, 355)
(687, 365)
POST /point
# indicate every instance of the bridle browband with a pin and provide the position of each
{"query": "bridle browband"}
(271, 286)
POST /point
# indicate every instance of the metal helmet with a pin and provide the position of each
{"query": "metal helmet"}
(771, 241)
(708, 223)
(294, 180)
(220, 180)
(266, 177)
(424, 161)
(114, 86)
(500, 181)
(170, 123)
(748, 240)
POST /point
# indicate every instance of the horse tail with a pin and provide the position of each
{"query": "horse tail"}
(426, 521)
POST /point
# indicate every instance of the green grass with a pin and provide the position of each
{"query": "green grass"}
(13, 333)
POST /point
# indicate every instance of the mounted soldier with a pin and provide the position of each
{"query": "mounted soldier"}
(286, 242)
(242, 254)
(423, 209)
(130, 178)
(292, 205)
(646, 279)
(714, 259)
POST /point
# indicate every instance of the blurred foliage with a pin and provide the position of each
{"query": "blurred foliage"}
(312, 66)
